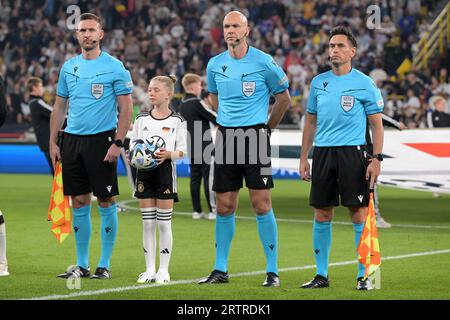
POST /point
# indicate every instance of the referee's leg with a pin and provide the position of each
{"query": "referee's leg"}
(268, 232)
(358, 216)
(322, 234)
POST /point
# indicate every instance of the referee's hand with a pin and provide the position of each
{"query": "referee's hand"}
(55, 154)
(113, 154)
(305, 170)
(373, 171)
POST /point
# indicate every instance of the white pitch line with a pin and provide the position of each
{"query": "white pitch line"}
(242, 274)
(124, 204)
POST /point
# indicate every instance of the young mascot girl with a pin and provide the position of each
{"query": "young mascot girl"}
(157, 189)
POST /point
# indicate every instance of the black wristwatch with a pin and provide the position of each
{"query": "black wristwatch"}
(119, 143)
(378, 156)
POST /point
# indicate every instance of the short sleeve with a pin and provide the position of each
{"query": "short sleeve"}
(62, 89)
(181, 139)
(212, 86)
(312, 100)
(276, 79)
(134, 134)
(374, 101)
(122, 82)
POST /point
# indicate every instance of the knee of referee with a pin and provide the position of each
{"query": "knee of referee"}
(226, 203)
(323, 214)
(358, 215)
(81, 200)
(105, 202)
(225, 208)
(261, 201)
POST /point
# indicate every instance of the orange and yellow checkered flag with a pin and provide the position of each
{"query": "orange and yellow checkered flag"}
(369, 248)
(59, 212)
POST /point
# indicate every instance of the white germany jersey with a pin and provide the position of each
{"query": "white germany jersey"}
(170, 132)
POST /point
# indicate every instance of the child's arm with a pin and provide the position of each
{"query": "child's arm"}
(180, 146)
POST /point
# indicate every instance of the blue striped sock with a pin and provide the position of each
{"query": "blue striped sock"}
(108, 233)
(358, 228)
(82, 228)
(225, 227)
(268, 234)
(322, 245)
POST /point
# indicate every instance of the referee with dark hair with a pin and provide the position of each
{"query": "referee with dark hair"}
(199, 118)
(94, 89)
(340, 103)
(3, 261)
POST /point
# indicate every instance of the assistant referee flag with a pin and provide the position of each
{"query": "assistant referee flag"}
(369, 248)
(59, 212)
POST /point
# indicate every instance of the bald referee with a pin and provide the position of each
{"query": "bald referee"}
(339, 104)
(241, 80)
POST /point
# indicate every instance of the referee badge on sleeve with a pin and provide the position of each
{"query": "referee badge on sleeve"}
(97, 90)
(248, 88)
(347, 102)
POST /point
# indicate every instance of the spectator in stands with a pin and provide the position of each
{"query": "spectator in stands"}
(412, 104)
(15, 103)
(414, 83)
(407, 24)
(436, 115)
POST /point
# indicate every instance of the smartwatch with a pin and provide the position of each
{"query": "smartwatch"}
(378, 156)
(119, 143)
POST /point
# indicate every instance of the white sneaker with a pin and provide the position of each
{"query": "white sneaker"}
(146, 277)
(4, 269)
(211, 216)
(381, 223)
(198, 215)
(162, 277)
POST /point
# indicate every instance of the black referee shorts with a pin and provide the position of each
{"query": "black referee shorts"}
(242, 153)
(339, 172)
(84, 170)
(159, 183)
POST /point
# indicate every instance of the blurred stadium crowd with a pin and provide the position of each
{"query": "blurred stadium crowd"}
(174, 37)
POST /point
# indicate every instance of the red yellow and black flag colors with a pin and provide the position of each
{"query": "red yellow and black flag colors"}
(369, 248)
(59, 212)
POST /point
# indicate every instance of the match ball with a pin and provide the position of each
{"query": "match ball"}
(142, 153)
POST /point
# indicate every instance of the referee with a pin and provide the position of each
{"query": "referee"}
(96, 89)
(199, 118)
(240, 81)
(340, 102)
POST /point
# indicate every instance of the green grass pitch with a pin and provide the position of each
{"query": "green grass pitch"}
(421, 226)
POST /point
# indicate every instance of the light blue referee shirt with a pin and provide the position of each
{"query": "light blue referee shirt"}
(244, 86)
(342, 104)
(91, 86)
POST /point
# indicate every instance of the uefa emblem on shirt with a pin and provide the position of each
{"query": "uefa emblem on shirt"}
(97, 90)
(347, 102)
(248, 88)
